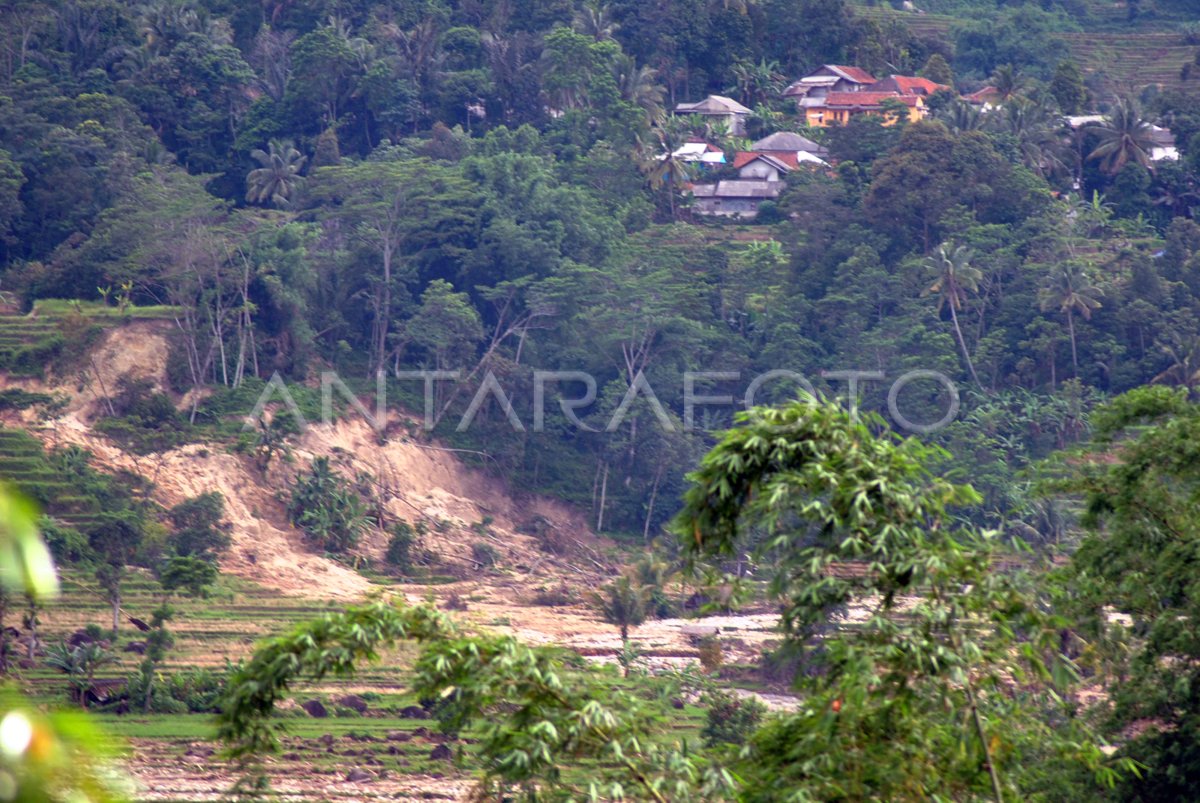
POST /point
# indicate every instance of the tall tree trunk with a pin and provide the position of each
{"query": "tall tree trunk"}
(4, 599)
(603, 499)
(671, 194)
(650, 507)
(962, 344)
(993, 774)
(115, 599)
(31, 647)
(384, 311)
(1074, 351)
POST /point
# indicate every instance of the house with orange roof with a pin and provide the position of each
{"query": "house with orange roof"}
(907, 85)
(811, 91)
(839, 107)
(985, 99)
(835, 93)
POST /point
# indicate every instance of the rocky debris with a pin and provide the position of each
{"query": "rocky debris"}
(315, 709)
(441, 753)
(700, 631)
(354, 702)
(414, 712)
(399, 736)
(136, 646)
(357, 775)
(82, 638)
(326, 740)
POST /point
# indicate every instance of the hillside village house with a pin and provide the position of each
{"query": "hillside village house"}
(1163, 147)
(985, 99)
(761, 173)
(811, 90)
(834, 93)
(734, 197)
(785, 144)
(699, 151)
(839, 107)
(728, 110)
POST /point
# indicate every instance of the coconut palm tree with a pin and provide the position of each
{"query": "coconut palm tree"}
(278, 177)
(956, 278)
(595, 19)
(163, 23)
(1124, 138)
(1008, 82)
(1184, 354)
(663, 167)
(639, 85)
(1037, 135)
(1071, 291)
(962, 116)
(757, 83)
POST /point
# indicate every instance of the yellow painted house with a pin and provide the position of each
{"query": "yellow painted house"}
(834, 94)
(839, 107)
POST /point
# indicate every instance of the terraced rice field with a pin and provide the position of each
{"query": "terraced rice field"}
(1125, 60)
(24, 464)
(389, 751)
(29, 341)
(1132, 61)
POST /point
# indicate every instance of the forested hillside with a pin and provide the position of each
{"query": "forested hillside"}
(502, 191)
(397, 185)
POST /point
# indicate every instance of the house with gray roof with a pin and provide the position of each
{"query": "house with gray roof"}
(729, 110)
(734, 197)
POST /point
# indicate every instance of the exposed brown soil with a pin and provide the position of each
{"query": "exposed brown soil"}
(418, 481)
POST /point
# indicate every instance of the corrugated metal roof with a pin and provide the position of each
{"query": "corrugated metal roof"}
(864, 99)
(906, 85)
(714, 104)
(739, 188)
(783, 162)
(785, 141)
(856, 74)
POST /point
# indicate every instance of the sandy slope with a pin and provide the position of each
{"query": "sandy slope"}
(418, 480)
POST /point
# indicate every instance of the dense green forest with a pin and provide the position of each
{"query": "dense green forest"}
(491, 187)
(369, 186)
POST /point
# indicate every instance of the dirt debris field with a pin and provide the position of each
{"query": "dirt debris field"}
(272, 580)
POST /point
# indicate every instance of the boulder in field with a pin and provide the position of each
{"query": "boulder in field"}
(353, 701)
(315, 709)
